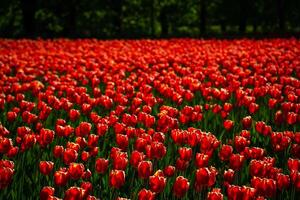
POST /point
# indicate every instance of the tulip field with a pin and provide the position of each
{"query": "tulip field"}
(149, 119)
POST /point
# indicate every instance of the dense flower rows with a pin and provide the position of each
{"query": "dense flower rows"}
(150, 119)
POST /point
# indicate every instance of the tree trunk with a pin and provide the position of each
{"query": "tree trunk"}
(28, 8)
(203, 11)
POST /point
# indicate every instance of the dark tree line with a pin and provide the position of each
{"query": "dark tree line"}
(147, 18)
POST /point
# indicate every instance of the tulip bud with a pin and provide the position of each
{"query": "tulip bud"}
(181, 186)
(145, 169)
(116, 178)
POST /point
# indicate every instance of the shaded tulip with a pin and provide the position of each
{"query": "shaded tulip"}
(116, 178)
(46, 192)
(146, 195)
(61, 178)
(145, 169)
(180, 186)
(228, 124)
(169, 171)
(157, 182)
(215, 194)
(75, 193)
(101, 165)
(76, 170)
(46, 167)
(236, 161)
(69, 155)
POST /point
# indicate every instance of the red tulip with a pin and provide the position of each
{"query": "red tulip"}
(23, 130)
(86, 108)
(70, 155)
(116, 178)
(236, 161)
(75, 193)
(272, 103)
(76, 170)
(247, 121)
(122, 141)
(228, 124)
(74, 114)
(283, 181)
(205, 177)
(228, 176)
(185, 153)
(254, 152)
(61, 178)
(253, 107)
(79, 143)
(240, 143)
(46, 193)
(181, 186)
(234, 192)
(46, 167)
(101, 129)
(3, 131)
(136, 158)
(293, 164)
(157, 182)
(83, 129)
(6, 173)
(11, 116)
(92, 140)
(145, 169)
(291, 118)
(58, 151)
(181, 164)
(146, 195)
(87, 175)
(215, 194)
(87, 186)
(85, 156)
(101, 165)
(5, 144)
(46, 137)
(120, 161)
(279, 141)
(295, 179)
(227, 107)
(225, 152)
(157, 150)
(265, 187)
(13, 151)
(28, 141)
(201, 160)
(169, 171)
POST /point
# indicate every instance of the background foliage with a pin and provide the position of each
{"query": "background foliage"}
(148, 18)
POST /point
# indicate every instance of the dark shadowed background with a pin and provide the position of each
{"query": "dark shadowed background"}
(149, 18)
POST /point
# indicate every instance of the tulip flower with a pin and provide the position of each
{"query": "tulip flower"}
(101, 165)
(146, 195)
(46, 167)
(145, 169)
(116, 178)
(46, 192)
(180, 186)
(76, 170)
(157, 182)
